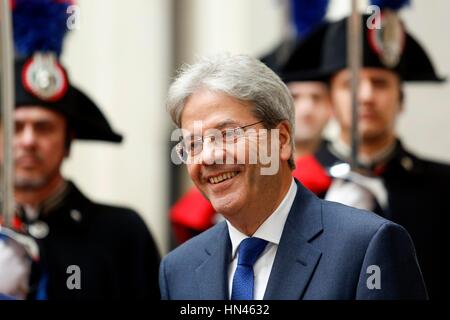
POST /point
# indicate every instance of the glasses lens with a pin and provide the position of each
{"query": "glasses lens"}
(189, 147)
(228, 136)
(195, 146)
(181, 151)
(238, 133)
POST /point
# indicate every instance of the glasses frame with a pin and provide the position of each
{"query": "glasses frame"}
(180, 149)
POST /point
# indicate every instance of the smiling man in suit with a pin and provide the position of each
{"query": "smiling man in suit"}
(278, 240)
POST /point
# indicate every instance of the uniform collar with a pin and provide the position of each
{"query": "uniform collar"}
(394, 157)
(343, 151)
(56, 200)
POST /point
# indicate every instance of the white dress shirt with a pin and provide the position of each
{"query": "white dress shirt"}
(270, 231)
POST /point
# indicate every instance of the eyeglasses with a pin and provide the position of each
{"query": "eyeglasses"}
(192, 146)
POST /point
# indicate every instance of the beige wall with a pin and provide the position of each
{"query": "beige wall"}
(121, 57)
(236, 26)
(426, 119)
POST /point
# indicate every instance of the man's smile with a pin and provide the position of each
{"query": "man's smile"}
(218, 178)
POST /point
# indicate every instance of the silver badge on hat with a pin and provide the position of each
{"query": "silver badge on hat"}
(388, 41)
(44, 77)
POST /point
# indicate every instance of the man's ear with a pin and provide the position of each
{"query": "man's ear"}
(285, 136)
(70, 136)
(401, 99)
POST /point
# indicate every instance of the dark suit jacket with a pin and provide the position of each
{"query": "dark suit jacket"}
(325, 252)
(112, 246)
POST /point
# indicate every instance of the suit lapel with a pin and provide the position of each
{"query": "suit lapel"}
(212, 274)
(296, 258)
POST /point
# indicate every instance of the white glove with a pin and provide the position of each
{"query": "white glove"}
(356, 190)
(15, 268)
(350, 194)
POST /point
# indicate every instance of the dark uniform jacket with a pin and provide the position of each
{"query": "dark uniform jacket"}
(112, 247)
(418, 192)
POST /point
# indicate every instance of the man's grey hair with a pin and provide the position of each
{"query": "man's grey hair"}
(241, 77)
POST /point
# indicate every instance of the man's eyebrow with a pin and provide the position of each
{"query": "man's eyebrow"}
(227, 123)
(219, 126)
(34, 122)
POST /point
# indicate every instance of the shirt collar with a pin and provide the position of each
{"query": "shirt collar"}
(272, 229)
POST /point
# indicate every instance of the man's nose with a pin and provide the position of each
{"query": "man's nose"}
(27, 137)
(307, 106)
(365, 92)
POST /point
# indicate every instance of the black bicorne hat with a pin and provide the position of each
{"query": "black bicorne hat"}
(306, 16)
(41, 81)
(388, 46)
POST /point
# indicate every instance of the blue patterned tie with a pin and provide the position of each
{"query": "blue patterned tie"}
(249, 251)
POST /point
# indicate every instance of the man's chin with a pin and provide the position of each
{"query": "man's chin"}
(225, 205)
(27, 183)
(305, 137)
(370, 134)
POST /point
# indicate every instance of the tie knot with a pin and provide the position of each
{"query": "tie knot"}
(249, 251)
